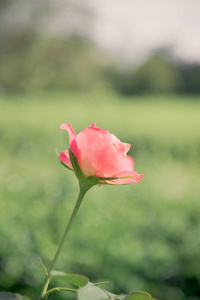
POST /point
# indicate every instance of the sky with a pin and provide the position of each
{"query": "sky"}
(132, 28)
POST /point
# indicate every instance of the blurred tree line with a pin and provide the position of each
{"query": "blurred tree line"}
(32, 60)
(160, 73)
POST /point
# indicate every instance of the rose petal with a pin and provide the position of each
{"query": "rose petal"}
(135, 177)
(129, 163)
(122, 148)
(94, 126)
(74, 148)
(97, 156)
(70, 130)
(64, 158)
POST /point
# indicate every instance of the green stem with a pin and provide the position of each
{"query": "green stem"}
(84, 187)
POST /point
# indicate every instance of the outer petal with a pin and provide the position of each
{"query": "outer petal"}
(64, 158)
(95, 126)
(74, 148)
(70, 131)
(126, 178)
(129, 163)
(122, 148)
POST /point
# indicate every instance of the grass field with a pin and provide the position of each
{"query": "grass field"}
(143, 236)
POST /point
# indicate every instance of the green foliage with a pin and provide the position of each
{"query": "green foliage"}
(63, 289)
(75, 279)
(91, 292)
(11, 296)
(32, 63)
(190, 74)
(160, 74)
(156, 75)
(88, 291)
(141, 237)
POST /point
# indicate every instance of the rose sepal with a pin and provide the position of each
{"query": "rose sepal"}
(75, 166)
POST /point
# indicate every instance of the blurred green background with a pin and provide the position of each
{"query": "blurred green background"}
(143, 236)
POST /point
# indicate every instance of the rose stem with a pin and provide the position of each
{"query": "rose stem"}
(84, 187)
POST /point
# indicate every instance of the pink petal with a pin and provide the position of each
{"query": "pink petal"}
(97, 156)
(94, 126)
(64, 158)
(70, 130)
(74, 148)
(135, 177)
(129, 163)
(122, 148)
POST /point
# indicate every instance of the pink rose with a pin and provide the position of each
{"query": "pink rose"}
(99, 154)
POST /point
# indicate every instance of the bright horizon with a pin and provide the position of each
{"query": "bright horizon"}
(130, 29)
(134, 27)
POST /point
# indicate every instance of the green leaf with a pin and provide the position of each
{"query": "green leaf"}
(76, 279)
(43, 266)
(62, 163)
(100, 283)
(91, 292)
(115, 297)
(58, 289)
(11, 296)
(137, 295)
